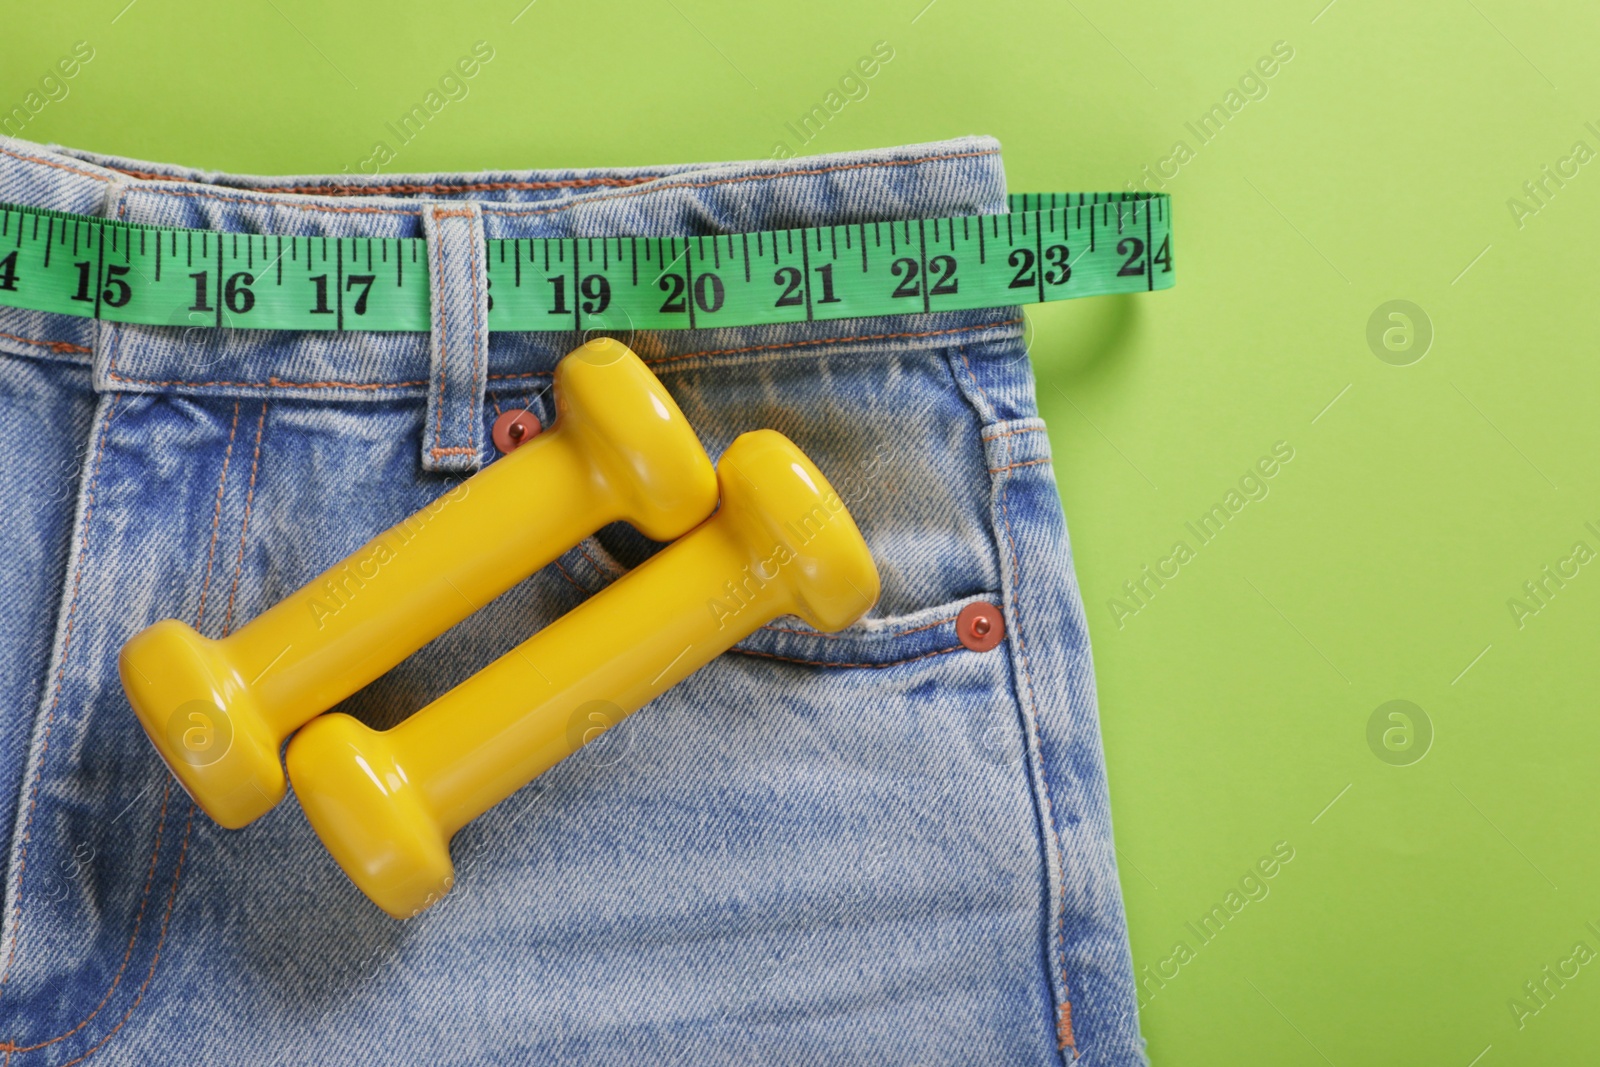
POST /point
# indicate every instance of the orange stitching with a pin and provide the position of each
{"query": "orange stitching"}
(275, 382)
(216, 517)
(571, 579)
(1033, 728)
(161, 829)
(805, 173)
(244, 529)
(583, 549)
(144, 899)
(272, 382)
(811, 342)
(444, 351)
(283, 203)
(114, 350)
(825, 663)
(61, 671)
(836, 637)
(1064, 1028)
(963, 353)
(1014, 466)
(166, 918)
(787, 659)
(383, 190)
(1013, 433)
(495, 401)
(468, 187)
(473, 426)
(919, 629)
(62, 347)
(444, 347)
(149, 176)
(57, 166)
(584, 200)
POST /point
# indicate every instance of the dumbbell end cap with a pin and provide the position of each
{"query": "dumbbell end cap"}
(201, 719)
(643, 447)
(776, 497)
(370, 815)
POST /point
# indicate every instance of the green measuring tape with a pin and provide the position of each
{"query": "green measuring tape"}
(1051, 246)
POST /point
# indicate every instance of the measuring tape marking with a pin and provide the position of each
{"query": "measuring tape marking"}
(116, 271)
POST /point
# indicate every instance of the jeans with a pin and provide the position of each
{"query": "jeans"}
(875, 847)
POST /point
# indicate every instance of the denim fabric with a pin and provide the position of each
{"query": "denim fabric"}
(459, 358)
(876, 847)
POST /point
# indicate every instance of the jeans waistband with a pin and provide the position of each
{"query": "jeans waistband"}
(962, 176)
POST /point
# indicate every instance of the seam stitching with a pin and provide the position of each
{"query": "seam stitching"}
(57, 166)
(444, 346)
(144, 899)
(1014, 466)
(1013, 433)
(11, 1047)
(583, 550)
(987, 402)
(1064, 1032)
(55, 701)
(792, 659)
(403, 188)
(290, 205)
(244, 528)
(828, 663)
(479, 384)
(274, 382)
(61, 347)
(166, 918)
(188, 825)
(580, 202)
(570, 579)
(446, 187)
(796, 173)
(521, 374)
(114, 350)
(216, 517)
(840, 637)
(814, 341)
(1064, 1021)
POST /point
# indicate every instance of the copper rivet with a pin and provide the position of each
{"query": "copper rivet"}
(980, 626)
(515, 428)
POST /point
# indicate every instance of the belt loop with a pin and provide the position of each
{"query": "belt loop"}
(452, 439)
(103, 358)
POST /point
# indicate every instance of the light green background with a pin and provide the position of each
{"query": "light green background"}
(1235, 703)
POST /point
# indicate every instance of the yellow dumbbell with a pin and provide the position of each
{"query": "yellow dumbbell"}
(218, 711)
(386, 804)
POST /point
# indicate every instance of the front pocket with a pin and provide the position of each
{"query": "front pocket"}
(889, 427)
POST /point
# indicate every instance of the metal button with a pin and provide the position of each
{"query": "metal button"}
(981, 626)
(514, 428)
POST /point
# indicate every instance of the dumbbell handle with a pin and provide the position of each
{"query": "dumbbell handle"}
(387, 803)
(507, 724)
(620, 449)
(418, 578)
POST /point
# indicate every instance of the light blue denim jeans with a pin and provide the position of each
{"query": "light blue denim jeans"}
(876, 847)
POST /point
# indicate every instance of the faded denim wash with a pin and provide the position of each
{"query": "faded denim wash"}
(876, 847)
